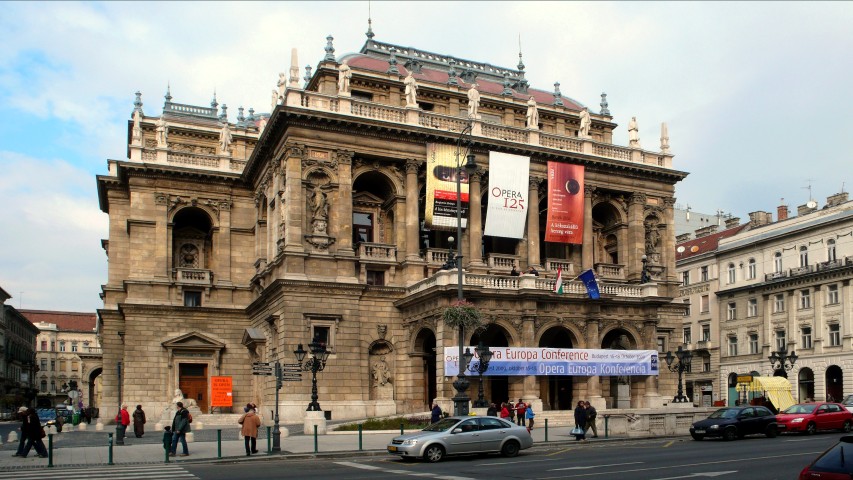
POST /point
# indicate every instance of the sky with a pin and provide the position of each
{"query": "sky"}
(756, 95)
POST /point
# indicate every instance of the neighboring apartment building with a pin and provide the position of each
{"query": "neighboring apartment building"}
(231, 243)
(18, 357)
(67, 349)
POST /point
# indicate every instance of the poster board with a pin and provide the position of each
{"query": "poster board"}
(220, 392)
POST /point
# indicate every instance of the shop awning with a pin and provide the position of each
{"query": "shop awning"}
(777, 390)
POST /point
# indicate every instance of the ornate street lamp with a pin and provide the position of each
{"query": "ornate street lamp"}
(485, 356)
(644, 275)
(782, 362)
(684, 357)
(461, 399)
(315, 364)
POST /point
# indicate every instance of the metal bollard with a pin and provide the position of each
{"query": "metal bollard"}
(110, 442)
(359, 437)
(315, 438)
(50, 450)
(218, 443)
(401, 425)
(166, 454)
(606, 421)
(546, 429)
(269, 440)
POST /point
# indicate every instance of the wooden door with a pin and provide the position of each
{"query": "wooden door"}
(193, 382)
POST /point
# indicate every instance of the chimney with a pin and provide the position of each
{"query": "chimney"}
(683, 237)
(836, 199)
(705, 231)
(759, 218)
(732, 222)
(782, 211)
(806, 209)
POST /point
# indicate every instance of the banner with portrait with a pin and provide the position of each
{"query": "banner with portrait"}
(508, 187)
(564, 223)
(440, 208)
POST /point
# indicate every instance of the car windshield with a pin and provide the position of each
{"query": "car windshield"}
(725, 413)
(848, 400)
(442, 425)
(800, 409)
(838, 459)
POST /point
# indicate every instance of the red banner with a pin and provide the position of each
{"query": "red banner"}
(565, 203)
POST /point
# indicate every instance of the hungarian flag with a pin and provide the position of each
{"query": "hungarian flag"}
(558, 285)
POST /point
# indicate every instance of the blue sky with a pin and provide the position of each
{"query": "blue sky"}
(756, 95)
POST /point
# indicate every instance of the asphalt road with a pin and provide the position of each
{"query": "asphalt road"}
(756, 458)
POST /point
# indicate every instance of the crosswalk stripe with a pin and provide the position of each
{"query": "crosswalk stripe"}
(130, 472)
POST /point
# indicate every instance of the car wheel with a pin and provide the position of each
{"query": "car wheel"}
(772, 431)
(811, 428)
(434, 453)
(510, 449)
(697, 437)
(848, 426)
(730, 434)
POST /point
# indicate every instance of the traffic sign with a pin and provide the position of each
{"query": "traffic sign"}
(262, 373)
(258, 364)
(292, 375)
(297, 365)
(291, 370)
(262, 370)
(291, 379)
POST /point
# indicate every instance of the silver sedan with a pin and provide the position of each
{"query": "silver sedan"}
(462, 435)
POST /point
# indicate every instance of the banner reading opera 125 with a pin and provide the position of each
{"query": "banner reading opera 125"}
(440, 208)
(565, 203)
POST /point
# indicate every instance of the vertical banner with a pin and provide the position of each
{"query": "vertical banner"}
(565, 203)
(508, 186)
(440, 208)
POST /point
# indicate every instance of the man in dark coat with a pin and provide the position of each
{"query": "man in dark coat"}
(33, 431)
(436, 413)
(580, 421)
(180, 427)
(22, 415)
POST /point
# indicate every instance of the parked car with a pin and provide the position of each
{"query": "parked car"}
(834, 464)
(735, 422)
(462, 435)
(808, 418)
(848, 403)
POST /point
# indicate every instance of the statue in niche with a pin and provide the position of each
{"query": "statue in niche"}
(473, 101)
(189, 256)
(411, 91)
(136, 137)
(162, 133)
(600, 249)
(344, 76)
(319, 203)
(225, 139)
(652, 237)
(586, 123)
(532, 114)
(381, 373)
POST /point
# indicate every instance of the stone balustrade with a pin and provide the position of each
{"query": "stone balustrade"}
(380, 252)
(193, 276)
(551, 265)
(437, 256)
(500, 261)
(609, 271)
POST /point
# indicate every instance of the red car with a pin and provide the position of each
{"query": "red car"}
(833, 464)
(808, 418)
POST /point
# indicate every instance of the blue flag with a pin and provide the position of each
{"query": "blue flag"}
(588, 279)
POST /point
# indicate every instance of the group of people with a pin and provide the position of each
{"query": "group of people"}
(530, 271)
(520, 413)
(32, 433)
(584, 420)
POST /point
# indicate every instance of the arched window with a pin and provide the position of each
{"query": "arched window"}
(777, 262)
(732, 274)
(751, 269)
(804, 256)
(830, 250)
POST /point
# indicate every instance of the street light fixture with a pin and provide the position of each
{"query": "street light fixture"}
(782, 362)
(461, 399)
(644, 275)
(485, 356)
(684, 357)
(315, 364)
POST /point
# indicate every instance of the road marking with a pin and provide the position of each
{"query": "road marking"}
(152, 472)
(593, 466)
(560, 451)
(512, 463)
(401, 472)
(696, 475)
(669, 443)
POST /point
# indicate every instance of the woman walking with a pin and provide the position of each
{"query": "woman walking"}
(528, 414)
(34, 432)
(139, 422)
(580, 422)
(250, 422)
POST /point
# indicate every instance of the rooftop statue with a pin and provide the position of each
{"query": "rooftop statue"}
(586, 122)
(633, 133)
(344, 76)
(136, 136)
(225, 139)
(532, 114)
(473, 101)
(162, 133)
(411, 91)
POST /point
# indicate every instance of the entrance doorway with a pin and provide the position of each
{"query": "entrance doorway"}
(192, 380)
(495, 388)
(834, 384)
(425, 348)
(555, 390)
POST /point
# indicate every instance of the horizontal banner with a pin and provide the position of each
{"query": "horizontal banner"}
(514, 361)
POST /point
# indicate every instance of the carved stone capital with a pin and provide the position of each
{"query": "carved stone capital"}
(637, 198)
(344, 157)
(412, 166)
(588, 190)
(295, 150)
(534, 182)
(669, 202)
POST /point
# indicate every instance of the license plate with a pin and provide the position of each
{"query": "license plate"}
(699, 430)
(392, 449)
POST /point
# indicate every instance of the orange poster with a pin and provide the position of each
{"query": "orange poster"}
(565, 203)
(220, 392)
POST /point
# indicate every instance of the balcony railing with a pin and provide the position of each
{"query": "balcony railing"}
(377, 252)
(802, 270)
(193, 276)
(609, 271)
(437, 256)
(551, 265)
(502, 261)
(775, 276)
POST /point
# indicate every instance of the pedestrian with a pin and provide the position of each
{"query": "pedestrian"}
(492, 411)
(139, 422)
(436, 413)
(167, 439)
(514, 272)
(250, 422)
(511, 407)
(528, 413)
(180, 427)
(22, 416)
(591, 413)
(532, 271)
(580, 422)
(520, 411)
(34, 432)
(504, 411)
(122, 422)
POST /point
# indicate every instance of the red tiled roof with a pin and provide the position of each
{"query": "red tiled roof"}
(364, 62)
(708, 243)
(65, 321)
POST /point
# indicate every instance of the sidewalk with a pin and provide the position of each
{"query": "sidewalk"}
(373, 443)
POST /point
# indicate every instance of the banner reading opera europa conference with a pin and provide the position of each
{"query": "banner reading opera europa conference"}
(565, 203)
(440, 208)
(513, 361)
(508, 186)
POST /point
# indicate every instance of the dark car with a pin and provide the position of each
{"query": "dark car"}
(735, 422)
(833, 464)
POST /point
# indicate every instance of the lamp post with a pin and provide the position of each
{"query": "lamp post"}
(315, 364)
(485, 356)
(461, 399)
(644, 275)
(684, 357)
(782, 362)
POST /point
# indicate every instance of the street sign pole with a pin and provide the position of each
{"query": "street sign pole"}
(276, 432)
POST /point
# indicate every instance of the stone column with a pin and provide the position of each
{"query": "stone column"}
(223, 271)
(586, 253)
(819, 320)
(475, 219)
(636, 243)
(295, 202)
(653, 398)
(412, 221)
(162, 232)
(593, 384)
(533, 255)
(669, 241)
(530, 386)
(344, 206)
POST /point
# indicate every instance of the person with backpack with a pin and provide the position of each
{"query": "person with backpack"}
(180, 427)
